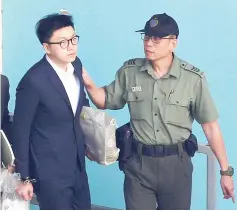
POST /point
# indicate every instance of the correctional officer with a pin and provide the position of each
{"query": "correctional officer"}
(164, 95)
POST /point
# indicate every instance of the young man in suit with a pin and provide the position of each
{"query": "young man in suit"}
(47, 138)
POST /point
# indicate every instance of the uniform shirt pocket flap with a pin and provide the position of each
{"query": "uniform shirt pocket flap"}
(178, 102)
(136, 96)
(177, 112)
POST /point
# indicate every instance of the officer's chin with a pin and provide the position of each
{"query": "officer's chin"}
(148, 57)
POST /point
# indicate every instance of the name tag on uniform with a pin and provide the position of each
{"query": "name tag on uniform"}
(136, 89)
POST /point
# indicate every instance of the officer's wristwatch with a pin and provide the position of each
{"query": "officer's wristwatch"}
(228, 172)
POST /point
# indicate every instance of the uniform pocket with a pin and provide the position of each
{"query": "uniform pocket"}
(136, 96)
(138, 105)
(177, 112)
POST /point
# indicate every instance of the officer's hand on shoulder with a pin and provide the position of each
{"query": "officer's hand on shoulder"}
(87, 79)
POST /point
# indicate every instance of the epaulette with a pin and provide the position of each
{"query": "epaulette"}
(191, 68)
(134, 62)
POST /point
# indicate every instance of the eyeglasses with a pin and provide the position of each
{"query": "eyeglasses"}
(65, 43)
(154, 39)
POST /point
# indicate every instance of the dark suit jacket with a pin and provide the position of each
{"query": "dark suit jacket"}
(48, 142)
(5, 97)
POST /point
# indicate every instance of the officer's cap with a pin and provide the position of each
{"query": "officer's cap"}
(161, 25)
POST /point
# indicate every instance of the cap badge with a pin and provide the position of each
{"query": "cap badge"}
(154, 22)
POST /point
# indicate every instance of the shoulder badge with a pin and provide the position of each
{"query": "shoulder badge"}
(134, 62)
(191, 68)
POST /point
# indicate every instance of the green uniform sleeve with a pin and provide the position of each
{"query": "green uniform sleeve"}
(115, 92)
(204, 107)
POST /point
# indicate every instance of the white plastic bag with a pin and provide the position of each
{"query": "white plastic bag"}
(99, 130)
(10, 200)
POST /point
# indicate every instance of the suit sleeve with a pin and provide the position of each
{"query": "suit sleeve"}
(5, 96)
(27, 99)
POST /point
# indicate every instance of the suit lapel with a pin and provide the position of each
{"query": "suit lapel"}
(79, 76)
(57, 84)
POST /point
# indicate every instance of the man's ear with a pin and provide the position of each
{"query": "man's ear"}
(46, 48)
(174, 43)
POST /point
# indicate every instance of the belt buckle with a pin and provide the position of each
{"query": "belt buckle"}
(159, 150)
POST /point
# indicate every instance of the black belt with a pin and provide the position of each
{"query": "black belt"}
(157, 150)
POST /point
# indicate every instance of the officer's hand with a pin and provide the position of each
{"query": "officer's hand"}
(227, 185)
(25, 191)
(86, 78)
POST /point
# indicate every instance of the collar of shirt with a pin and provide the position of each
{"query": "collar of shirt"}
(70, 82)
(174, 69)
(60, 71)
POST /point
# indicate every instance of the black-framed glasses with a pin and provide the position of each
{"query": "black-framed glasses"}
(65, 43)
(154, 39)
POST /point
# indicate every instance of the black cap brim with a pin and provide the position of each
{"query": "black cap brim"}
(142, 30)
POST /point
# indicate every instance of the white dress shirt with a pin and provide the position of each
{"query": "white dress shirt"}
(70, 82)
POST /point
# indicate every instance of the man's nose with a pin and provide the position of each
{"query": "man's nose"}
(148, 42)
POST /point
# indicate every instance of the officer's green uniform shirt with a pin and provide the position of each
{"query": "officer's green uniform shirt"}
(162, 110)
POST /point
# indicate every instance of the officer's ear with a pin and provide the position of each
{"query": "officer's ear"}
(173, 42)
